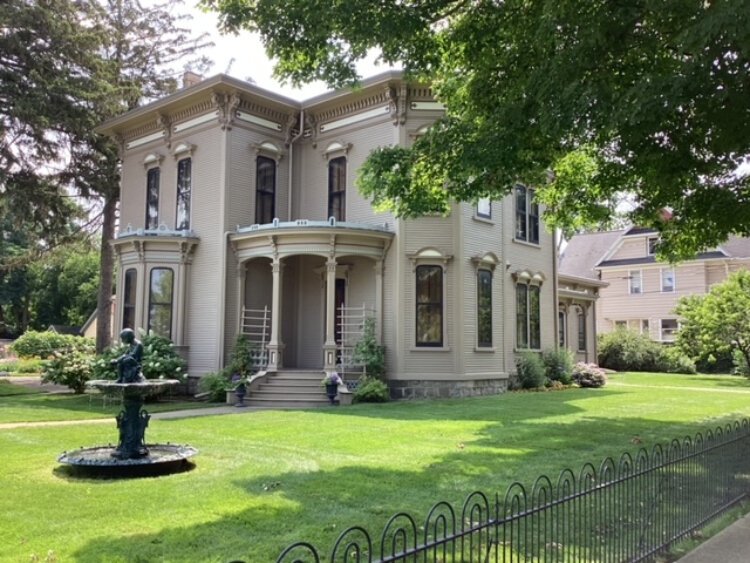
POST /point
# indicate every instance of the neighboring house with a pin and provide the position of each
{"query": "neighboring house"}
(239, 214)
(642, 293)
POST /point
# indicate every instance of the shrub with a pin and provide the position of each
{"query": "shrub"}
(33, 344)
(370, 390)
(160, 361)
(626, 350)
(102, 367)
(22, 365)
(558, 365)
(242, 357)
(740, 364)
(369, 353)
(674, 360)
(589, 375)
(216, 385)
(530, 371)
(71, 368)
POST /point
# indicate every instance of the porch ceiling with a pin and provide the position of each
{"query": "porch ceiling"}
(317, 238)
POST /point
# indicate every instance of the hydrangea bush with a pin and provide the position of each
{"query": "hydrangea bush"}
(589, 375)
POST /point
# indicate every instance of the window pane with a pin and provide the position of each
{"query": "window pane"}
(484, 207)
(152, 199)
(581, 331)
(667, 280)
(668, 329)
(533, 218)
(635, 281)
(535, 327)
(265, 192)
(521, 232)
(522, 326)
(184, 187)
(484, 308)
(429, 307)
(160, 302)
(128, 299)
(337, 188)
(561, 328)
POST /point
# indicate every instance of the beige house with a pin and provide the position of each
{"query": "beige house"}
(642, 293)
(239, 214)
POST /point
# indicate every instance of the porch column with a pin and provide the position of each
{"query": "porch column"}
(379, 301)
(275, 346)
(329, 348)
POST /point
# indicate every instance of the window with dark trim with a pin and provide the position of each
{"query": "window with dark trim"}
(652, 244)
(527, 215)
(184, 188)
(484, 208)
(429, 323)
(581, 330)
(484, 309)
(265, 191)
(160, 298)
(562, 320)
(528, 325)
(337, 188)
(152, 199)
(128, 298)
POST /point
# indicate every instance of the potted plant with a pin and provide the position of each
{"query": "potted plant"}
(331, 382)
(239, 386)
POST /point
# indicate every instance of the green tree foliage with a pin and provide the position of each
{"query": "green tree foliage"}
(581, 99)
(34, 344)
(627, 350)
(718, 322)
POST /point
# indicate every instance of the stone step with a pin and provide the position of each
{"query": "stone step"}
(286, 404)
(290, 388)
(302, 375)
(282, 396)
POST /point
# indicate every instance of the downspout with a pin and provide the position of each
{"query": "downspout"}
(222, 297)
(555, 295)
(291, 160)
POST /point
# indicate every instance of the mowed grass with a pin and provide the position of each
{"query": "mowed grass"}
(266, 479)
(19, 403)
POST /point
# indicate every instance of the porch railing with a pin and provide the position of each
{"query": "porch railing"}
(255, 324)
(351, 329)
(629, 510)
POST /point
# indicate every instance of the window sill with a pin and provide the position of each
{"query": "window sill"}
(486, 220)
(430, 349)
(488, 350)
(522, 350)
(526, 243)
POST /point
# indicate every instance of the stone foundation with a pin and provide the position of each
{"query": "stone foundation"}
(445, 389)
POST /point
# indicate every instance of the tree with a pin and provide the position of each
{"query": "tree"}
(718, 322)
(584, 100)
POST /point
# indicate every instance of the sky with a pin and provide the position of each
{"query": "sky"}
(243, 56)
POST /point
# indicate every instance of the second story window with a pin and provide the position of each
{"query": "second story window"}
(652, 243)
(184, 188)
(527, 215)
(667, 281)
(152, 199)
(265, 190)
(636, 285)
(337, 188)
(484, 208)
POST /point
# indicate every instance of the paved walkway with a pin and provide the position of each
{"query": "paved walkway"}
(731, 545)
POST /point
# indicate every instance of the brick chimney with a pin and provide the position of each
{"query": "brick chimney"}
(190, 79)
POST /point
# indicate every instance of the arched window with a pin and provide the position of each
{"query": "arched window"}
(160, 297)
(184, 189)
(337, 188)
(429, 315)
(484, 309)
(265, 190)
(528, 325)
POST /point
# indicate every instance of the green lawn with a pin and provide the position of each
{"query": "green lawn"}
(265, 479)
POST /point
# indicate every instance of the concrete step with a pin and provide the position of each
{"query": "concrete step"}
(301, 395)
(289, 404)
(290, 388)
(300, 375)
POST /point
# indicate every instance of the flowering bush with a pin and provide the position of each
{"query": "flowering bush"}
(68, 367)
(589, 375)
(332, 378)
(33, 344)
(160, 361)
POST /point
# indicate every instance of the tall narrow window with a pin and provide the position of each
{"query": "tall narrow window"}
(636, 285)
(128, 299)
(484, 309)
(581, 331)
(429, 306)
(527, 215)
(184, 187)
(667, 281)
(160, 302)
(152, 199)
(337, 188)
(528, 317)
(265, 191)
(562, 320)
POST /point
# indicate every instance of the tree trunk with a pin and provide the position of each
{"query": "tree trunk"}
(106, 274)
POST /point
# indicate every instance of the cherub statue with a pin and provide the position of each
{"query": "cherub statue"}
(129, 364)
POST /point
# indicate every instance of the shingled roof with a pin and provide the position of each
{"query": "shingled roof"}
(584, 251)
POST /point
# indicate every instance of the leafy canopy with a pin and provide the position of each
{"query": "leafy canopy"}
(651, 98)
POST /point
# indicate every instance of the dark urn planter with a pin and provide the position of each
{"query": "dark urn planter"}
(332, 390)
(240, 391)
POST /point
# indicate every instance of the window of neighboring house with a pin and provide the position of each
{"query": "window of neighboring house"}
(152, 199)
(668, 329)
(484, 309)
(484, 208)
(636, 284)
(562, 320)
(621, 325)
(160, 302)
(644, 327)
(528, 326)
(667, 281)
(128, 298)
(429, 306)
(581, 330)
(184, 188)
(337, 188)
(652, 244)
(265, 190)
(527, 215)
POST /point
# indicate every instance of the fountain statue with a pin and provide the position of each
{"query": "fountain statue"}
(132, 451)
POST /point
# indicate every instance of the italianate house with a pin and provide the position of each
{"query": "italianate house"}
(239, 214)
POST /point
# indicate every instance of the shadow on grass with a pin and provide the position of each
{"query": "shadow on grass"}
(316, 506)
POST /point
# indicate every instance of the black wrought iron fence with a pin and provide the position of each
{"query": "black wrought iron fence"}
(629, 510)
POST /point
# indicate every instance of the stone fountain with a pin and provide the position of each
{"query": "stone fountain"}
(132, 455)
